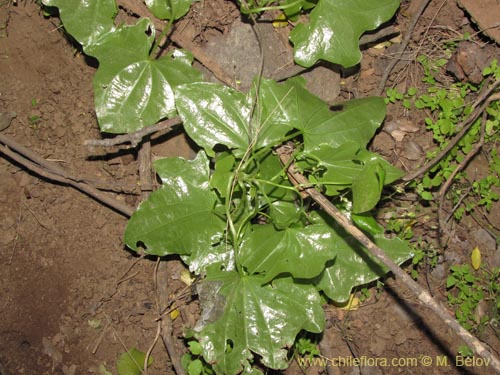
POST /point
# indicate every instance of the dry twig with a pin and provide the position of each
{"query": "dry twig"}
(460, 167)
(402, 47)
(50, 170)
(136, 137)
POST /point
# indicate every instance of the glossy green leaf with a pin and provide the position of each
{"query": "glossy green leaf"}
(164, 223)
(84, 20)
(135, 91)
(294, 8)
(257, 319)
(203, 257)
(284, 214)
(339, 166)
(214, 114)
(224, 167)
(391, 172)
(271, 179)
(335, 27)
(166, 9)
(272, 252)
(351, 166)
(367, 188)
(354, 265)
(131, 90)
(290, 104)
(354, 121)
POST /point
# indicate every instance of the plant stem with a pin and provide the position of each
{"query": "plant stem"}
(155, 50)
(275, 7)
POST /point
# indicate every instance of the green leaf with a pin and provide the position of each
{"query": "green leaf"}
(293, 11)
(354, 265)
(354, 121)
(131, 90)
(258, 319)
(203, 257)
(335, 27)
(349, 165)
(135, 91)
(166, 9)
(224, 166)
(214, 114)
(86, 21)
(132, 362)
(272, 252)
(371, 159)
(178, 218)
(272, 179)
(367, 188)
(195, 347)
(291, 104)
(195, 367)
(340, 165)
(285, 213)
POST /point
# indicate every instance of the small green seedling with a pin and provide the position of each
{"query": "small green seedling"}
(467, 288)
(193, 362)
(306, 347)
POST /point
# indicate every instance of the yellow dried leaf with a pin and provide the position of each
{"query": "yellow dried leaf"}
(352, 304)
(280, 21)
(186, 277)
(174, 314)
(476, 258)
(382, 45)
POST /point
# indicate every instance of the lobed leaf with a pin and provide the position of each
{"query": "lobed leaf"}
(131, 90)
(86, 21)
(349, 165)
(354, 121)
(257, 319)
(354, 265)
(335, 27)
(218, 115)
(135, 91)
(299, 252)
(214, 114)
(179, 217)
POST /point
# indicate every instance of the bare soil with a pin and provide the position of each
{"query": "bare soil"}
(72, 298)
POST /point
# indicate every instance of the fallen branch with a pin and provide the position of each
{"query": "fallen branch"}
(365, 40)
(51, 171)
(300, 180)
(136, 137)
(444, 188)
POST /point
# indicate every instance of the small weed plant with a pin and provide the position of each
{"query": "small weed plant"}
(475, 295)
(446, 109)
(264, 253)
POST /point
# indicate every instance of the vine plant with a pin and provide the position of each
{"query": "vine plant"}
(264, 252)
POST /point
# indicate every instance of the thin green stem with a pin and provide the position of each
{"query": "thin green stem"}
(155, 50)
(274, 7)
